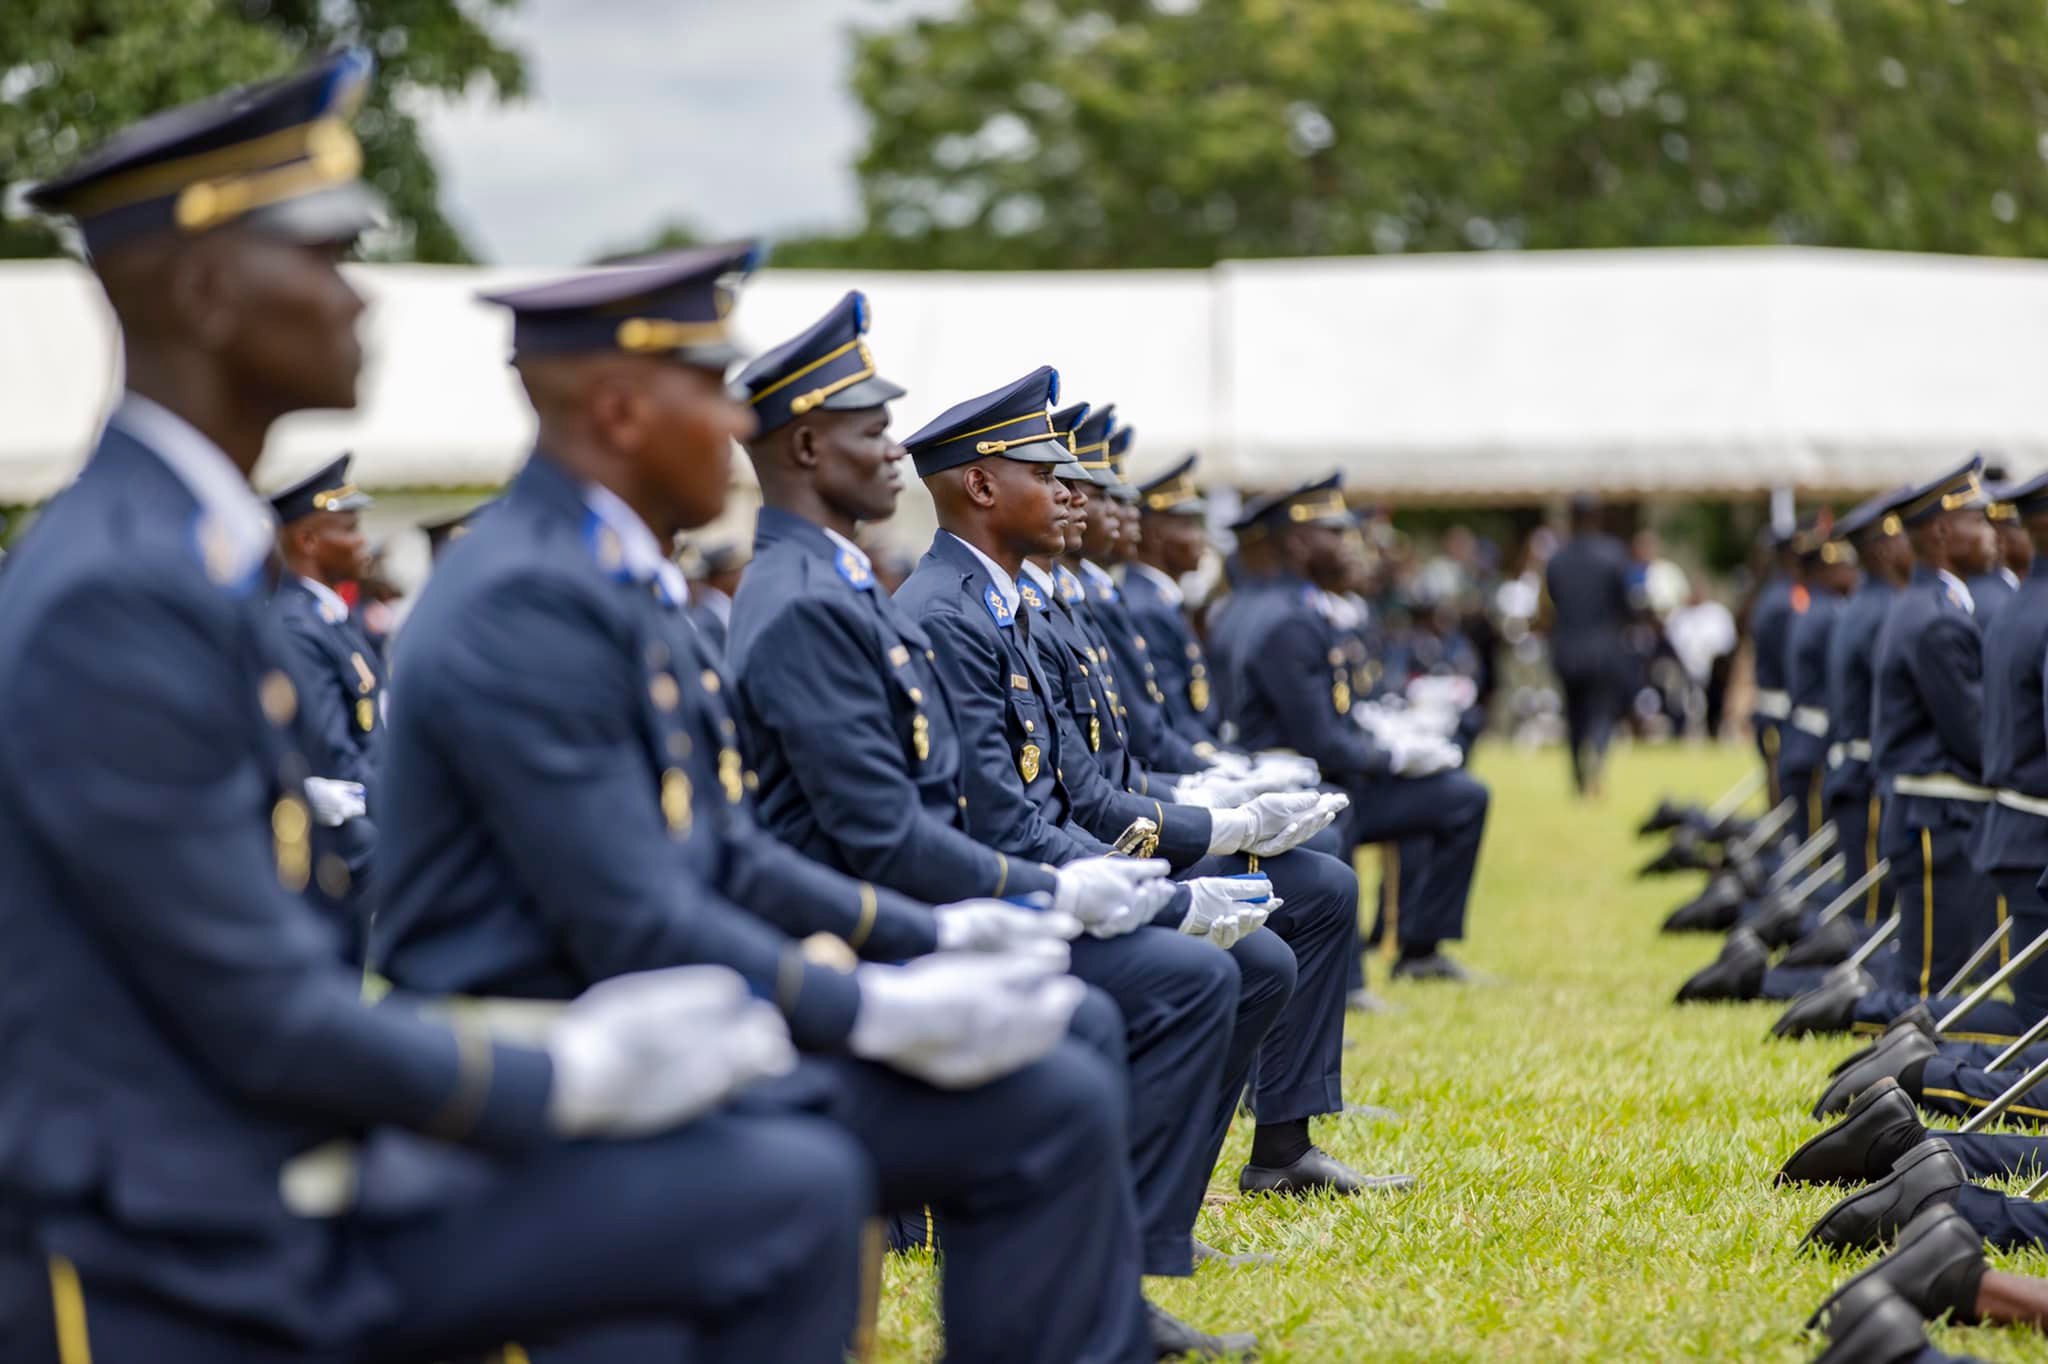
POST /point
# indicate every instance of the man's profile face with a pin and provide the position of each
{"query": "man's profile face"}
(1175, 540)
(289, 324)
(1031, 505)
(1082, 514)
(686, 452)
(857, 469)
(1972, 544)
(333, 541)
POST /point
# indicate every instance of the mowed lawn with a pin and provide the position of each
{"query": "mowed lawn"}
(1595, 1163)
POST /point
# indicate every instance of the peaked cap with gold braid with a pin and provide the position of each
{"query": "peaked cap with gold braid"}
(1013, 421)
(675, 304)
(827, 366)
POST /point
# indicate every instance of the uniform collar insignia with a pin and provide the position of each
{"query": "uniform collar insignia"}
(997, 607)
(854, 569)
(1031, 597)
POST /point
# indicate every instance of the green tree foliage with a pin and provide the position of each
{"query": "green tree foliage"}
(1085, 133)
(73, 71)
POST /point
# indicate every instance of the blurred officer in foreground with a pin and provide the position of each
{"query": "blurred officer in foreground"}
(1982, 566)
(207, 1149)
(570, 799)
(1587, 586)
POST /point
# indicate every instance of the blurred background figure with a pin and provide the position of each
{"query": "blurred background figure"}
(1591, 605)
(1702, 637)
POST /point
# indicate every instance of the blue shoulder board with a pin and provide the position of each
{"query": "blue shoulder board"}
(853, 570)
(997, 607)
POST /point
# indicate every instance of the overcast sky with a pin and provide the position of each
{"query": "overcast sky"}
(731, 115)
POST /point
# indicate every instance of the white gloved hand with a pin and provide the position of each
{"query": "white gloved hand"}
(1257, 823)
(993, 926)
(1289, 769)
(1234, 765)
(1223, 909)
(334, 802)
(1212, 790)
(1112, 896)
(646, 1052)
(957, 1020)
(1420, 755)
(1309, 821)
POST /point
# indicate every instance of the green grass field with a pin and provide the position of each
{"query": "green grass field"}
(1594, 1162)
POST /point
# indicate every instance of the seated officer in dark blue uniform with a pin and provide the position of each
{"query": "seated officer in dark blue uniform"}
(1830, 572)
(1291, 688)
(1927, 750)
(991, 464)
(569, 799)
(1169, 547)
(860, 755)
(341, 689)
(205, 1147)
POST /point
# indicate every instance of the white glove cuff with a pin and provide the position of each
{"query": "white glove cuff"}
(1230, 830)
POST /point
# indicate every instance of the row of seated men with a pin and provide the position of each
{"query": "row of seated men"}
(599, 1003)
(1912, 736)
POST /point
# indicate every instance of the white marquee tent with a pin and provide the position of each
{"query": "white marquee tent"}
(1500, 376)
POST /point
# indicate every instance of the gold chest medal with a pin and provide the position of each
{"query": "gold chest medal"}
(1094, 734)
(921, 737)
(1027, 762)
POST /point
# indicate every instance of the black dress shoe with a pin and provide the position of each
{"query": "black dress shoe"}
(1927, 1175)
(1435, 966)
(1828, 1008)
(1871, 1324)
(1916, 1019)
(1738, 973)
(1317, 1172)
(1829, 945)
(1891, 1062)
(1669, 814)
(1880, 1126)
(1173, 1338)
(1713, 910)
(1206, 1254)
(1778, 921)
(1936, 1266)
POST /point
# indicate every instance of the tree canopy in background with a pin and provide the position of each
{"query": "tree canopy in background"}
(1121, 133)
(74, 71)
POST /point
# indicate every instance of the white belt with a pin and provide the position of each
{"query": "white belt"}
(1812, 719)
(1859, 750)
(1775, 705)
(2014, 800)
(1940, 786)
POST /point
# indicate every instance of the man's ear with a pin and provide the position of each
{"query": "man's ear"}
(979, 485)
(617, 410)
(803, 445)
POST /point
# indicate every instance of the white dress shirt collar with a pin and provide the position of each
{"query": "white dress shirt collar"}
(1005, 584)
(237, 529)
(641, 553)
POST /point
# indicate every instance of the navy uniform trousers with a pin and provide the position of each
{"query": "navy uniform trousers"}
(176, 1027)
(569, 801)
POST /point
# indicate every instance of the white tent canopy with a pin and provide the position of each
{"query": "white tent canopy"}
(1510, 375)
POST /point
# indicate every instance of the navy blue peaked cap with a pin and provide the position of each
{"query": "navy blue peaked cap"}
(1013, 421)
(1320, 503)
(325, 489)
(279, 156)
(1064, 421)
(1120, 450)
(1173, 492)
(675, 304)
(2029, 498)
(1955, 490)
(828, 366)
(1874, 517)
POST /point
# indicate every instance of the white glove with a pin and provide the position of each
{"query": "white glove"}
(1233, 765)
(1288, 769)
(962, 1019)
(1259, 822)
(334, 803)
(1212, 790)
(993, 926)
(646, 1052)
(1224, 909)
(1306, 823)
(1420, 755)
(1112, 896)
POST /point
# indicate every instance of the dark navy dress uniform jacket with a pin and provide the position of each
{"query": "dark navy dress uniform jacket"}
(2015, 745)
